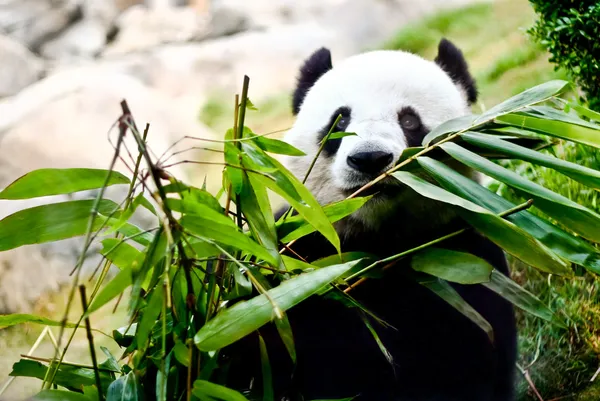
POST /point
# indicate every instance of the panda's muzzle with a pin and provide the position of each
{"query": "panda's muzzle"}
(371, 163)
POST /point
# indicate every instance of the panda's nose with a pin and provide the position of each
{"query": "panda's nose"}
(370, 162)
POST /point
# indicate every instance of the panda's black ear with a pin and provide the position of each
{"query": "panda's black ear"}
(314, 67)
(452, 61)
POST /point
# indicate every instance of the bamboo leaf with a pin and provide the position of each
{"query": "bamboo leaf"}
(149, 316)
(574, 216)
(225, 234)
(203, 388)
(244, 317)
(51, 181)
(339, 135)
(285, 184)
(266, 371)
(452, 297)
(524, 99)
(255, 205)
(70, 377)
(520, 297)
(453, 266)
(571, 248)
(502, 232)
(120, 253)
(295, 227)
(126, 388)
(531, 96)
(276, 146)
(112, 290)
(60, 395)
(557, 129)
(585, 175)
(52, 222)
(20, 318)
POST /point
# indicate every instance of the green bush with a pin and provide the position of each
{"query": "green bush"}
(570, 30)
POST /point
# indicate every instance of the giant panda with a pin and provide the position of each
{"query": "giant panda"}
(390, 100)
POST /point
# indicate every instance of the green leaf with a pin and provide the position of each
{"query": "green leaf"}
(51, 181)
(571, 248)
(70, 377)
(121, 254)
(452, 297)
(182, 353)
(126, 388)
(585, 175)
(244, 317)
(503, 233)
(111, 362)
(255, 205)
(285, 184)
(193, 194)
(527, 98)
(276, 146)
(557, 129)
(112, 290)
(226, 235)
(20, 318)
(457, 267)
(203, 388)
(574, 216)
(149, 316)
(51, 222)
(448, 127)
(296, 227)
(266, 371)
(339, 135)
(531, 96)
(60, 395)
(520, 297)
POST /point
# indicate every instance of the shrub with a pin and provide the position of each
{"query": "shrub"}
(570, 29)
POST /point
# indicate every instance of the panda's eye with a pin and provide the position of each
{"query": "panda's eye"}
(343, 123)
(410, 122)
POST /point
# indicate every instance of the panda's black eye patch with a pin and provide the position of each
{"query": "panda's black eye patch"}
(413, 128)
(343, 122)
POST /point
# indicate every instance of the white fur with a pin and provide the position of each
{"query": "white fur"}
(375, 86)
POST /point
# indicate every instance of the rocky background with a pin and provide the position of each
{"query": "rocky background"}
(66, 64)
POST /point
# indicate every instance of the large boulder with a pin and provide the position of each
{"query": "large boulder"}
(64, 121)
(20, 67)
(141, 28)
(87, 37)
(31, 22)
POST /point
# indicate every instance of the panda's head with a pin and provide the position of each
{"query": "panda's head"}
(389, 99)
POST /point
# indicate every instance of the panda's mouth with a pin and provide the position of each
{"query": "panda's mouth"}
(386, 187)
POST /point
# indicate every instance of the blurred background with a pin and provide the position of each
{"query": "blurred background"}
(66, 64)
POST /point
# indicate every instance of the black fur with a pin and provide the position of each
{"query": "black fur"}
(452, 61)
(331, 146)
(314, 67)
(413, 137)
(438, 354)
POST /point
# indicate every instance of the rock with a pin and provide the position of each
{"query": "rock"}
(270, 58)
(85, 39)
(20, 67)
(63, 120)
(60, 122)
(141, 28)
(32, 22)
